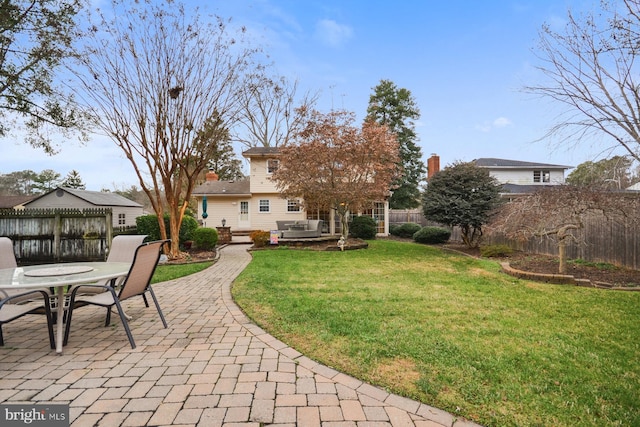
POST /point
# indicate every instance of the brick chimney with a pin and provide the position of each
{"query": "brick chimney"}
(212, 176)
(433, 165)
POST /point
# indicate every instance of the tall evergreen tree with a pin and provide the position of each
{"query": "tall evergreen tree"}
(73, 180)
(396, 108)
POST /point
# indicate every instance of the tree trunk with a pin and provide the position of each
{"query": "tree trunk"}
(562, 256)
(563, 235)
(174, 228)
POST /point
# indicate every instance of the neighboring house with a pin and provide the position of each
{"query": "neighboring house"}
(521, 177)
(124, 211)
(256, 204)
(14, 202)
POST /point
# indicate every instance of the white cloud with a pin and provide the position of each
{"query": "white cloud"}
(500, 122)
(485, 127)
(330, 33)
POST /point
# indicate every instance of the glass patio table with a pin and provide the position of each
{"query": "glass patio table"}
(60, 276)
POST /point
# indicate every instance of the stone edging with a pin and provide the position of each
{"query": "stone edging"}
(561, 279)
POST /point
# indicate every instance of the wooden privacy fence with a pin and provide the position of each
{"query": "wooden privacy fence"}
(57, 235)
(603, 240)
(600, 240)
(401, 216)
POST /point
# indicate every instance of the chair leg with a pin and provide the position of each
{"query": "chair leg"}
(146, 303)
(123, 319)
(155, 301)
(67, 326)
(49, 315)
(1, 337)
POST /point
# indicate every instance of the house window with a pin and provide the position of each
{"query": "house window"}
(122, 219)
(541, 176)
(264, 205)
(293, 206)
(272, 165)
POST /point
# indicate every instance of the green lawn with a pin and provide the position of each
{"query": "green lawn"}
(166, 272)
(454, 332)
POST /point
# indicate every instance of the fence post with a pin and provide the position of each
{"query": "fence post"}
(108, 228)
(57, 231)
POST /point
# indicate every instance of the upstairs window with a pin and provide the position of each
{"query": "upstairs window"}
(272, 165)
(122, 219)
(264, 205)
(542, 176)
(293, 206)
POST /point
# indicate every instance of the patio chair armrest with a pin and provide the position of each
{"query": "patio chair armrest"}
(74, 289)
(21, 295)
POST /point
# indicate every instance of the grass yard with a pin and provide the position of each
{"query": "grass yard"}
(454, 332)
(166, 272)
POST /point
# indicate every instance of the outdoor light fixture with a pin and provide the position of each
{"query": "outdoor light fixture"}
(224, 222)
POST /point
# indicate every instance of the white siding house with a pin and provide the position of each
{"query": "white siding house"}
(521, 176)
(256, 204)
(124, 211)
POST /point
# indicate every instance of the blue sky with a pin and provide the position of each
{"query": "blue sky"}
(465, 63)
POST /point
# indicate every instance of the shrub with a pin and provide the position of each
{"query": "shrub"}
(393, 228)
(205, 238)
(432, 235)
(148, 224)
(408, 229)
(260, 238)
(363, 227)
(490, 251)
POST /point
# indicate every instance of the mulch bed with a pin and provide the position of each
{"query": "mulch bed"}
(548, 264)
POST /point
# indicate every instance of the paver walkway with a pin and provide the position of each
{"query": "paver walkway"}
(211, 367)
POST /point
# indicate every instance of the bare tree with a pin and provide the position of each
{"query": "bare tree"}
(161, 82)
(592, 70)
(270, 111)
(333, 164)
(559, 212)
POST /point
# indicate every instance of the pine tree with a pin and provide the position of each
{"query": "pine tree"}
(73, 180)
(396, 108)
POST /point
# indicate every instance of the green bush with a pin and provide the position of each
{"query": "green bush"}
(432, 235)
(363, 227)
(260, 238)
(148, 224)
(408, 229)
(393, 228)
(490, 251)
(205, 238)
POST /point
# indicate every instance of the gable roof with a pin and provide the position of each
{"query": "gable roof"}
(96, 198)
(223, 188)
(489, 162)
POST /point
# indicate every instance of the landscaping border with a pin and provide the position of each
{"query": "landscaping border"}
(561, 279)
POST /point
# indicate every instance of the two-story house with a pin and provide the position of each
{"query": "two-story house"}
(519, 177)
(256, 204)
